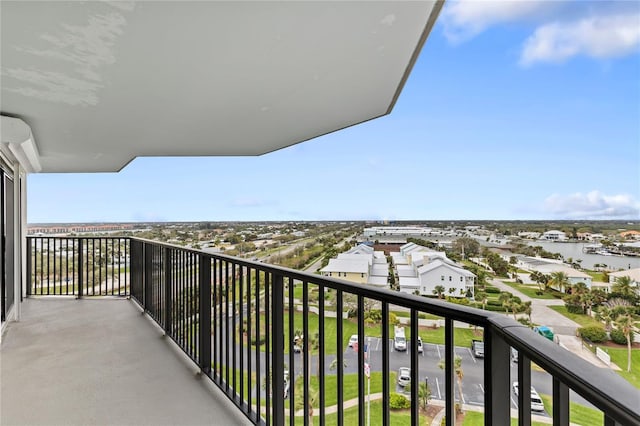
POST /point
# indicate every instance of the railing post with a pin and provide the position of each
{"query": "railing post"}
(167, 290)
(80, 267)
(449, 371)
(148, 271)
(29, 268)
(524, 382)
(277, 354)
(560, 403)
(497, 403)
(204, 316)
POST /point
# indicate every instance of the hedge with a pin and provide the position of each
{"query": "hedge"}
(596, 334)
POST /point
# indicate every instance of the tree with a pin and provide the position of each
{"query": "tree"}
(439, 291)
(622, 286)
(457, 368)
(468, 247)
(481, 297)
(625, 324)
(313, 398)
(527, 309)
(604, 315)
(560, 280)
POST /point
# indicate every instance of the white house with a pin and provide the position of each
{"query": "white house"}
(633, 274)
(361, 265)
(420, 270)
(456, 281)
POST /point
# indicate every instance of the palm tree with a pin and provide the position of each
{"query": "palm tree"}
(527, 309)
(625, 324)
(506, 298)
(424, 395)
(439, 291)
(604, 315)
(560, 280)
(457, 368)
(623, 287)
(313, 398)
(481, 296)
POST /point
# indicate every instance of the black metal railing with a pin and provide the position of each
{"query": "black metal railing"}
(78, 266)
(245, 324)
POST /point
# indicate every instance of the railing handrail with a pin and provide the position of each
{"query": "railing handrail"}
(607, 391)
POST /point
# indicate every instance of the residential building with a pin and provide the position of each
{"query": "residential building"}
(633, 274)
(457, 281)
(554, 235)
(361, 264)
(420, 270)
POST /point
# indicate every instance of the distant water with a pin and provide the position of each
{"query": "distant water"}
(574, 250)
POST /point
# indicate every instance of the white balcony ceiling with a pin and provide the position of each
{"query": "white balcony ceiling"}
(101, 83)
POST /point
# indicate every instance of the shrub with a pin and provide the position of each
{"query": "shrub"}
(618, 337)
(574, 309)
(596, 334)
(491, 289)
(398, 402)
(393, 319)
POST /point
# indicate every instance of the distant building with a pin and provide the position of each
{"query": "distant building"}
(395, 234)
(554, 235)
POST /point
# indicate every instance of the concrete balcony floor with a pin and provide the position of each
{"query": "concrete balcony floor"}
(100, 362)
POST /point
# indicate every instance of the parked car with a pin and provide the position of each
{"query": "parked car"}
(404, 376)
(477, 348)
(419, 345)
(536, 401)
(544, 331)
(286, 384)
(353, 340)
(399, 341)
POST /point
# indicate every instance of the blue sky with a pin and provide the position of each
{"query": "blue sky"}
(514, 110)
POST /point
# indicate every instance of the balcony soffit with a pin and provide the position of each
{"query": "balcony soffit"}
(101, 83)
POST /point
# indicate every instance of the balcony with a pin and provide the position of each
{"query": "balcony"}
(84, 361)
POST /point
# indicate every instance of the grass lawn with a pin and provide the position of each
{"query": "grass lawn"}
(583, 320)
(401, 418)
(619, 357)
(350, 388)
(529, 290)
(474, 418)
(578, 414)
(596, 276)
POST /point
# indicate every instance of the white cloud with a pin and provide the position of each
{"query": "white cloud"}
(561, 30)
(465, 19)
(597, 37)
(593, 205)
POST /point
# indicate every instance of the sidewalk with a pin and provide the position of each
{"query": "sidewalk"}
(563, 327)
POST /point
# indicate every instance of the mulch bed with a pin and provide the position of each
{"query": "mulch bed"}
(610, 344)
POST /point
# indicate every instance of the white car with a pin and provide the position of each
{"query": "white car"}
(353, 340)
(419, 345)
(536, 401)
(404, 376)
